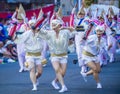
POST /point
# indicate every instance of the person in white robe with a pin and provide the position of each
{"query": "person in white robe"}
(90, 54)
(112, 45)
(33, 48)
(57, 39)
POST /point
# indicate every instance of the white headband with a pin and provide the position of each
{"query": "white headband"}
(101, 28)
(56, 22)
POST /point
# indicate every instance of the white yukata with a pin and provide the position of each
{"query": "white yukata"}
(58, 46)
(91, 49)
(33, 46)
(103, 55)
(79, 42)
(111, 52)
(21, 28)
(20, 47)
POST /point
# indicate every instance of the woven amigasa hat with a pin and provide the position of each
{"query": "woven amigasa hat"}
(59, 12)
(21, 12)
(81, 11)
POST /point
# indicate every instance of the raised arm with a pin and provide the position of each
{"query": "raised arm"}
(14, 15)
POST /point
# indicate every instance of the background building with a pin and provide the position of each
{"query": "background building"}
(10, 5)
(67, 5)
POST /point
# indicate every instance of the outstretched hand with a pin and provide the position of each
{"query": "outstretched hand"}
(71, 29)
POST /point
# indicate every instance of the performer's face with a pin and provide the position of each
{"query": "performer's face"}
(32, 24)
(101, 19)
(56, 26)
(81, 15)
(20, 20)
(110, 19)
(99, 33)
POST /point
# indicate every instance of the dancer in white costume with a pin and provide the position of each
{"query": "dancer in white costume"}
(112, 45)
(57, 40)
(90, 52)
(33, 48)
(79, 37)
(21, 28)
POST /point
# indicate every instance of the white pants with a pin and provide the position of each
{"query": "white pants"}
(112, 57)
(60, 59)
(21, 55)
(88, 59)
(79, 48)
(33, 60)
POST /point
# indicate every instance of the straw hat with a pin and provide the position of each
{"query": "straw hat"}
(40, 15)
(59, 12)
(102, 14)
(81, 11)
(21, 12)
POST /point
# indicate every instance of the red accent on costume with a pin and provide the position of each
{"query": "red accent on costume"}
(72, 20)
(88, 31)
(12, 31)
(39, 22)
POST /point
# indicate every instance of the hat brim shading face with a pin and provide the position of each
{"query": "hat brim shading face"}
(54, 25)
(100, 29)
(20, 19)
(81, 13)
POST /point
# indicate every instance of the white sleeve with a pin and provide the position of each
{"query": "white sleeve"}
(45, 34)
(73, 10)
(14, 17)
(23, 37)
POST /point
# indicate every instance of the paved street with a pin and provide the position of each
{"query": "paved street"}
(13, 82)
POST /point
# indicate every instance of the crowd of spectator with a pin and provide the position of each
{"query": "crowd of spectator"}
(7, 46)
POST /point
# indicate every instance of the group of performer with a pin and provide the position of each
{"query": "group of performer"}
(94, 36)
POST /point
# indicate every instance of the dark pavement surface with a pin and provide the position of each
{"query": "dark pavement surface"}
(13, 82)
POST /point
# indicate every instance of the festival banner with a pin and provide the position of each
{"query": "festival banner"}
(29, 13)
